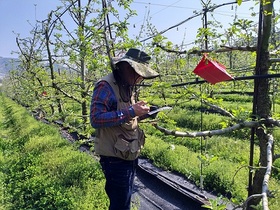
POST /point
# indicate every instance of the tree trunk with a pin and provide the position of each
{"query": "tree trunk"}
(47, 32)
(82, 47)
(262, 100)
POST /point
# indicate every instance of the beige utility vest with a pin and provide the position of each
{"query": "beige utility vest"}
(124, 141)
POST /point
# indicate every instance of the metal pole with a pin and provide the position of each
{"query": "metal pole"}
(254, 111)
(205, 9)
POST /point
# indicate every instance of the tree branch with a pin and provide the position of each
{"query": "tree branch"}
(215, 107)
(238, 126)
(267, 173)
(199, 52)
(207, 133)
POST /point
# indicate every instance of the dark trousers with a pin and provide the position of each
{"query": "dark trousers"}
(119, 176)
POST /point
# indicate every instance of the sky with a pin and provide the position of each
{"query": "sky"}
(19, 17)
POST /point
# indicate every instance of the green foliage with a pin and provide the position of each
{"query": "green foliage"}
(216, 204)
(40, 170)
(239, 2)
(276, 169)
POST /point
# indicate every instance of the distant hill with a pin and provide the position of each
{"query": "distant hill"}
(7, 64)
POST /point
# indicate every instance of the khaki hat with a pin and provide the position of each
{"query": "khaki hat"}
(139, 61)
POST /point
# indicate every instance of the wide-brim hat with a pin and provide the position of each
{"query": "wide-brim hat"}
(139, 61)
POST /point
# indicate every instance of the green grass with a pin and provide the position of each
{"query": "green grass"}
(41, 170)
(224, 158)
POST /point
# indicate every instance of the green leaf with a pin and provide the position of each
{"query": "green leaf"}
(239, 2)
(207, 206)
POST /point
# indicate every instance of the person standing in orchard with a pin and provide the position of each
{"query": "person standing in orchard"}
(114, 114)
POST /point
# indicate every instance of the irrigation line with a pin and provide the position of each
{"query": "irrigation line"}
(201, 141)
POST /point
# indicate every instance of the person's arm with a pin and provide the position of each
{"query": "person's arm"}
(103, 109)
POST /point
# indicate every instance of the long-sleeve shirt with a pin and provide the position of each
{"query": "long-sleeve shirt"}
(103, 109)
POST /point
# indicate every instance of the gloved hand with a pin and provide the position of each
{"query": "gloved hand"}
(152, 108)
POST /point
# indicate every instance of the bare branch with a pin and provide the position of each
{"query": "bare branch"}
(207, 133)
(199, 52)
(215, 107)
(268, 172)
(65, 28)
(238, 126)
(161, 32)
(274, 60)
(240, 48)
(209, 9)
(243, 206)
(272, 121)
(66, 94)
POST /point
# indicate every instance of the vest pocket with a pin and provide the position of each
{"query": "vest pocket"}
(127, 149)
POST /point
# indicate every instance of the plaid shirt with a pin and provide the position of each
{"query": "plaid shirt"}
(103, 108)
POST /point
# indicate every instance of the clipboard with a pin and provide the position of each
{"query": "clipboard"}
(159, 110)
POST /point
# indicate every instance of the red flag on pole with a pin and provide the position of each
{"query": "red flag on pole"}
(212, 71)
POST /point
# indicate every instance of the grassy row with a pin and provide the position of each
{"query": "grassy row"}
(40, 170)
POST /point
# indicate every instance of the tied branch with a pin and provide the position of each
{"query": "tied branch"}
(209, 133)
(206, 133)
